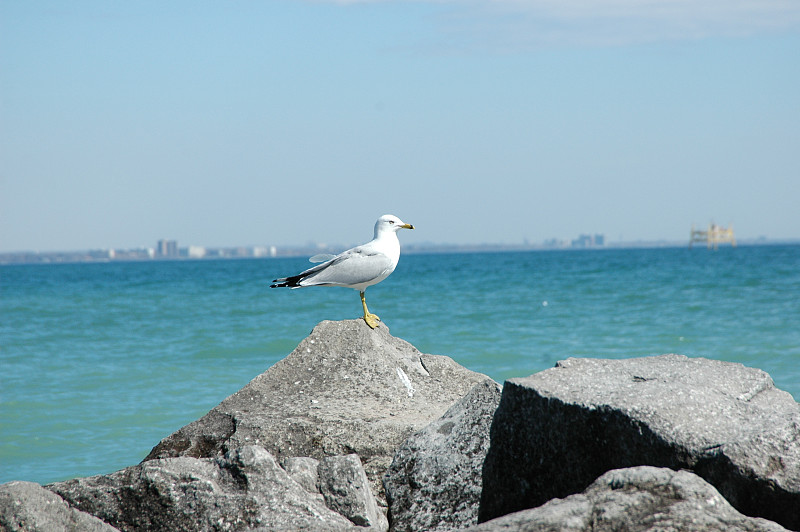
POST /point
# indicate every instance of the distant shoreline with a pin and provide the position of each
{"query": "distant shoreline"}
(258, 252)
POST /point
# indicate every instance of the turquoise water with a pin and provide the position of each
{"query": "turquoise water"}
(98, 362)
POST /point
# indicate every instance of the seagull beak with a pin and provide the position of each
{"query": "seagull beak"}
(407, 226)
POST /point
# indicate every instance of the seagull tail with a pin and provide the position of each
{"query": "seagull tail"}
(289, 282)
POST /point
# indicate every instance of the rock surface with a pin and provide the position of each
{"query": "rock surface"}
(345, 389)
(556, 431)
(636, 500)
(434, 482)
(349, 396)
(304, 471)
(345, 488)
(28, 507)
(244, 490)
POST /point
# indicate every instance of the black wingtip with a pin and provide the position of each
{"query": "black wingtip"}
(289, 282)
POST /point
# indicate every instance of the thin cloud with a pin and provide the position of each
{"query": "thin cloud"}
(664, 18)
(540, 23)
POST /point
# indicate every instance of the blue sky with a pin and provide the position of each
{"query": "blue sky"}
(284, 122)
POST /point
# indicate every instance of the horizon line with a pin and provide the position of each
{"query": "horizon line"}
(140, 254)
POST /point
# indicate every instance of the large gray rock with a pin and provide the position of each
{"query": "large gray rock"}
(28, 507)
(556, 431)
(244, 490)
(636, 500)
(304, 471)
(434, 482)
(345, 389)
(346, 490)
(340, 481)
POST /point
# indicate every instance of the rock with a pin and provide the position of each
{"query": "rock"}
(28, 507)
(339, 481)
(344, 485)
(434, 481)
(245, 489)
(637, 499)
(556, 431)
(303, 470)
(345, 389)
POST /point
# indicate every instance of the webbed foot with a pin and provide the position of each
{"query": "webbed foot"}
(372, 320)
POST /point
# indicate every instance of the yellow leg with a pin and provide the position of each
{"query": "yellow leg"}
(371, 319)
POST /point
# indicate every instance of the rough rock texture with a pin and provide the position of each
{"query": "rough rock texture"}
(350, 395)
(245, 489)
(636, 499)
(434, 482)
(345, 389)
(345, 487)
(28, 507)
(556, 431)
(303, 471)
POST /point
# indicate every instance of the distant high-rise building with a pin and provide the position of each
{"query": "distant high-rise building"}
(589, 241)
(167, 248)
(196, 252)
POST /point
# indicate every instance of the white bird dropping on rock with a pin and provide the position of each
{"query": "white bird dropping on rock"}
(406, 382)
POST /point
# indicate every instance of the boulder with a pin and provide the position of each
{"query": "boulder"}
(434, 481)
(28, 507)
(303, 470)
(245, 489)
(345, 389)
(638, 499)
(344, 485)
(556, 431)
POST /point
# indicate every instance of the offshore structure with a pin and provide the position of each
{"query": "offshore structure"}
(713, 236)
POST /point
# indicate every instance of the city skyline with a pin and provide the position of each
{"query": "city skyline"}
(171, 250)
(486, 122)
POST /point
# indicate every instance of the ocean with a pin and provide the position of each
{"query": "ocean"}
(100, 361)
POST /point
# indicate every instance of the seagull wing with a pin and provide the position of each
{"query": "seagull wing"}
(353, 267)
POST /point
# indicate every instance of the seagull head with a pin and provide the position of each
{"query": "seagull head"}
(389, 222)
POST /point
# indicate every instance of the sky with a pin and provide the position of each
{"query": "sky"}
(286, 122)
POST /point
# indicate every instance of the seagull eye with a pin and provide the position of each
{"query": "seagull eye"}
(391, 222)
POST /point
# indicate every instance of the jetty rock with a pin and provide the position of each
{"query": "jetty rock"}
(27, 506)
(355, 424)
(346, 389)
(245, 489)
(557, 431)
(434, 482)
(643, 498)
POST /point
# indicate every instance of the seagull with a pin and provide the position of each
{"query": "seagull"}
(356, 268)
